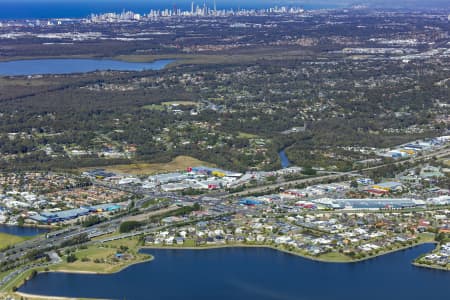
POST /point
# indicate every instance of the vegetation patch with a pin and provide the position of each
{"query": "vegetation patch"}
(153, 107)
(245, 135)
(7, 240)
(180, 163)
(335, 257)
(103, 258)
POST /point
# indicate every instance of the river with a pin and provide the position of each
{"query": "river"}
(253, 273)
(284, 159)
(72, 65)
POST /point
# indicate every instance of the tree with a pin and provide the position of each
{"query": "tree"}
(71, 258)
(21, 221)
(128, 226)
(309, 171)
(440, 237)
(196, 206)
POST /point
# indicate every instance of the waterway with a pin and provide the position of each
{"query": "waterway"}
(69, 65)
(284, 159)
(22, 231)
(253, 273)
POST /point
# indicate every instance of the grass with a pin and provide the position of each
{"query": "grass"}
(9, 240)
(426, 237)
(153, 202)
(105, 254)
(245, 135)
(335, 257)
(180, 163)
(153, 107)
(181, 59)
(202, 59)
(131, 243)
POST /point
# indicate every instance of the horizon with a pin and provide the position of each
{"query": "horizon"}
(407, 4)
(48, 9)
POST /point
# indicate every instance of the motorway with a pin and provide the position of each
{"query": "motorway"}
(55, 239)
(441, 153)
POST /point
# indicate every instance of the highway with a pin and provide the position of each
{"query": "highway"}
(441, 153)
(55, 239)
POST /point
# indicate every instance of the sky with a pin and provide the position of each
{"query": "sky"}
(373, 3)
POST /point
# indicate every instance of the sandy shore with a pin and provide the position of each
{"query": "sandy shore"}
(32, 297)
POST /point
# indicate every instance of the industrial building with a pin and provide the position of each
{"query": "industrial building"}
(66, 215)
(368, 203)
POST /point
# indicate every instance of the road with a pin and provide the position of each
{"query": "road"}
(438, 154)
(54, 240)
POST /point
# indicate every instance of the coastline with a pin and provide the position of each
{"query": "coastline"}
(33, 296)
(31, 226)
(287, 251)
(36, 296)
(13, 58)
(151, 258)
(432, 267)
(123, 58)
(172, 61)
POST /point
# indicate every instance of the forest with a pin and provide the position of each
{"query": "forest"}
(237, 107)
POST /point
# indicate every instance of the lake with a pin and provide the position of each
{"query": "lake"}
(253, 273)
(70, 65)
(22, 231)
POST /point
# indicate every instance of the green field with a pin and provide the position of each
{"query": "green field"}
(153, 107)
(335, 257)
(101, 258)
(245, 135)
(203, 59)
(8, 240)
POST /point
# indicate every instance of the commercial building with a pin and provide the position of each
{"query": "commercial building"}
(369, 203)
